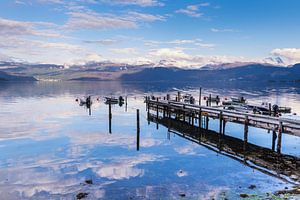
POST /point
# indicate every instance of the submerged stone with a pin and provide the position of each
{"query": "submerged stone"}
(81, 195)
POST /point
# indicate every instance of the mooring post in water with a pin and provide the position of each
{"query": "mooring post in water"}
(274, 137)
(270, 109)
(200, 118)
(246, 133)
(147, 103)
(168, 97)
(280, 130)
(224, 124)
(126, 104)
(200, 94)
(193, 118)
(137, 129)
(157, 108)
(179, 96)
(209, 99)
(90, 110)
(206, 122)
(183, 113)
(109, 116)
(157, 114)
(148, 110)
(220, 125)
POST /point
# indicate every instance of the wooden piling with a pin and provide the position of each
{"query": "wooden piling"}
(109, 116)
(200, 94)
(157, 108)
(274, 137)
(168, 97)
(193, 119)
(280, 130)
(200, 118)
(206, 121)
(137, 129)
(246, 133)
(224, 124)
(127, 104)
(220, 123)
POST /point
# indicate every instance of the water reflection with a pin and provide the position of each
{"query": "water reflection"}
(50, 147)
(254, 156)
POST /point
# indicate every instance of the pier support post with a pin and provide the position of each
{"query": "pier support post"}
(274, 137)
(200, 94)
(206, 122)
(148, 110)
(221, 123)
(246, 133)
(224, 124)
(109, 116)
(127, 104)
(137, 129)
(193, 119)
(200, 118)
(280, 129)
(157, 114)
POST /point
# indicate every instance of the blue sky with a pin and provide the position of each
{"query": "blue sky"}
(182, 33)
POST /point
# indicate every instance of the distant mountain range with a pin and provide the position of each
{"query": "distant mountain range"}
(104, 71)
(248, 72)
(7, 77)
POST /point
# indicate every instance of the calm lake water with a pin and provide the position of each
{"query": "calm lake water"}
(50, 145)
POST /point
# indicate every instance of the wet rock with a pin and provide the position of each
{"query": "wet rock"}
(81, 195)
(295, 177)
(182, 194)
(243, 195)
(294, 191)
(251, 187)
(89, 182)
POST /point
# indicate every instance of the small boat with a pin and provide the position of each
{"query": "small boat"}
(111, 100)
(235, 101)
(114, 100)
(188, 98)
(87, 101)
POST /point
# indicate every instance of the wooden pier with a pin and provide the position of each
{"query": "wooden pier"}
(284, 167)
(202, 114)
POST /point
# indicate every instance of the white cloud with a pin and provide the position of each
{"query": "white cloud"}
(152, 43)
(143, 3)
(136, 16)
(93, 20)
(290, 55)
(205, 45)
(216, 30)
(16, 28)
(102, 42)
(177, 57)
(192, 10)
(124, 51)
